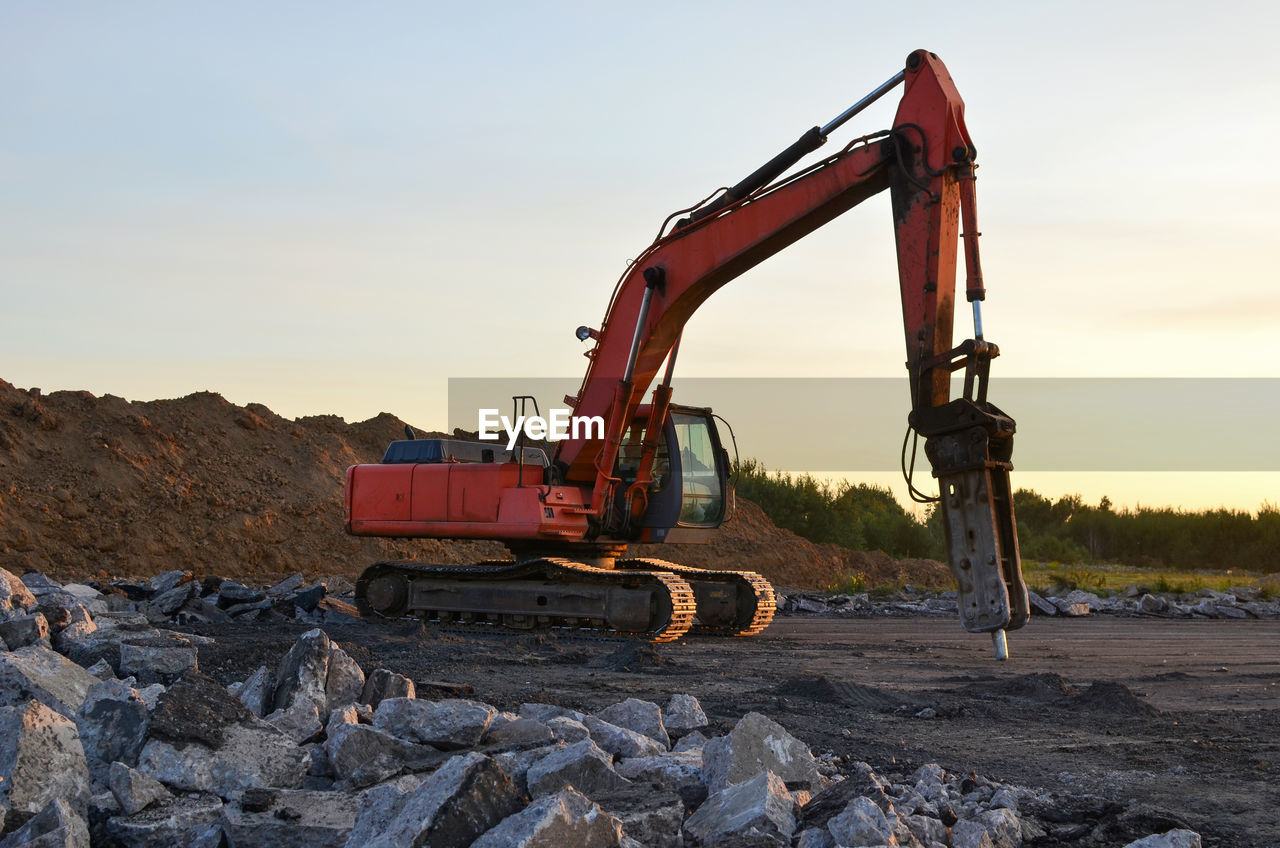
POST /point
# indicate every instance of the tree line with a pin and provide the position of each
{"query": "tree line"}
(865, 517)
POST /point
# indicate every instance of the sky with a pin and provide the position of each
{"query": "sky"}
(335, 208)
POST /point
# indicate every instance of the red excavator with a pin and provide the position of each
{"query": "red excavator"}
(657, 472)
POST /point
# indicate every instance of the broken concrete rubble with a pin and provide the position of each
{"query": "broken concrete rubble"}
(133, 790)
(555, 821)
(582, 765)
(382, 684)
(37, 672)
(642, 717)
(755, 745)
(759, 806)
(41, 759)
(450, 724)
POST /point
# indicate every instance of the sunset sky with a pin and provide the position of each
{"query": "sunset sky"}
(335, 208)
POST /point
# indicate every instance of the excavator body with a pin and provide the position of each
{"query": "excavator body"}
(656, 472)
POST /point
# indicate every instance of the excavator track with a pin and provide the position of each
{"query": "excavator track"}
(543, 593)
(748, 611)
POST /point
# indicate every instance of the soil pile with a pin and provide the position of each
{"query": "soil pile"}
(101, 484)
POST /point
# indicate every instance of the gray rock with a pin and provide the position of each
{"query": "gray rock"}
(816, 837)
(50, 678)
(1178, 838)
(1003, 827)
(1006, 799)
(463, 799)
(258, 691)
(1207, 608)
(691, 741)
(287, 586)
(231, 593)
(450, 724)
(133, 790)
(516, 763)
(23, 630)
(301, 721)
(56, 826)
(291, 818)
(157, 663)
(382, 684)
(761, 805)
(112, 723)
(683, 715)
(651, 814)
(1227, 611)
(1040, 605)
(15, 596)
(196, 709)
(1072, 610)
(308, 597)
(679, 771)
(303, 671)
(546, 712)
(968, 833)
(253, 754)
(102, 670)
(861, 822)
(643, 717)
(521, 733)
(181, 820)
(40, 584)
(567, 730)
(926, 829)
(378, 807)
(1152, 604)
(361, 755)
(581, 764)
(564, 819)
(150, 695)
(755, 745)
(620, 741)
(345, 681)
(167, 580)
(170, 601)
(41, 759)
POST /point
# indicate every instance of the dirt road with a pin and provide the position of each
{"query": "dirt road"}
(1183, 716)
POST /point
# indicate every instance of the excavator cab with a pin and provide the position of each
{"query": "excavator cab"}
(690, 493)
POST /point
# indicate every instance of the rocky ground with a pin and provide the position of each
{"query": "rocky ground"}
(177, 711)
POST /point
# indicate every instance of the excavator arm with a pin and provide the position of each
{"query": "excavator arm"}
(926, 162)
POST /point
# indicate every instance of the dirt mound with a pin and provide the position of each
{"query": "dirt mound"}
(1043, 686)
(1109, 696)
(632, 656)
(101, 485)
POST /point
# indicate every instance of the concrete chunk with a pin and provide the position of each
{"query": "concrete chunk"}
(41, 759)
(450, 724)
(683, 715)
(361, 755)
(251, 754)
(643, 717)
(133, 790)
(112, 723)
(15, 596)
(344, 683)
(291, 818)
(181, 820)
(760, 806)
(755, 745)
(22, 630)
(862, 822)
(556, 821)
(157, 663)
(382, 684)
(50, 678)
(581, 764)
(303, 671)
(464, 798)
(621, 741)
(56, 826)
(1178, 838)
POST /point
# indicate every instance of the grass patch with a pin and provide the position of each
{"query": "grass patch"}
(1058, 577)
